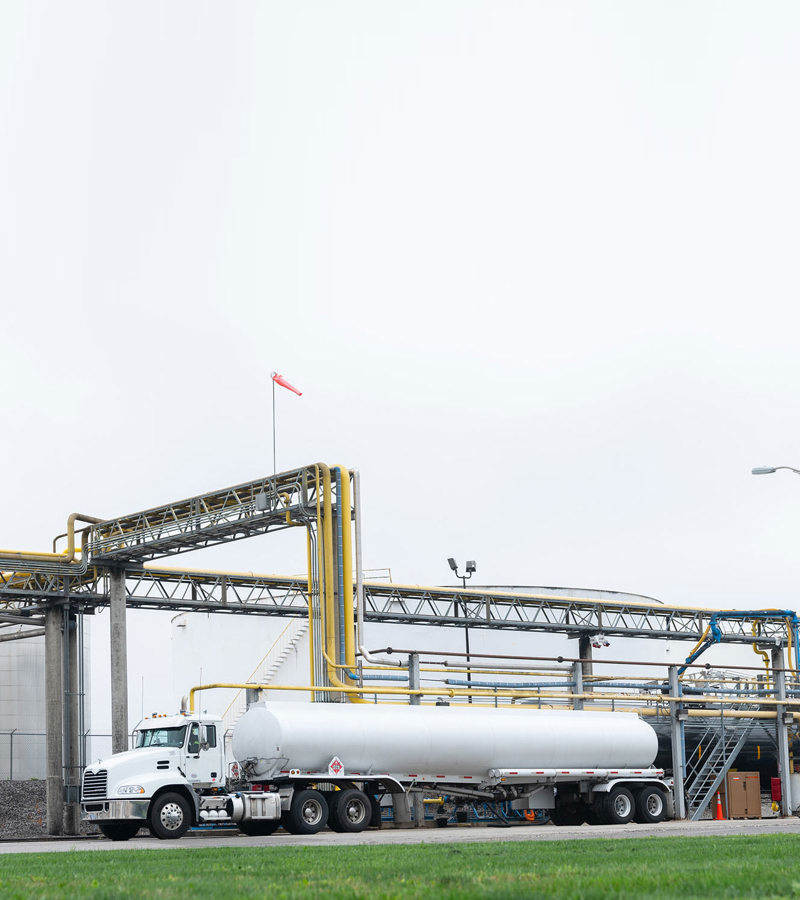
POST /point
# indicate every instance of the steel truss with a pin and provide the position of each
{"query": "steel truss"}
(275, 595)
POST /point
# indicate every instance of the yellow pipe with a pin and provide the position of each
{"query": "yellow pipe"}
(481, 692)
(326, 529)
(328, 581)
(65, 557)
(347, 560)
(762, 653)
(289, 520)
(310, 613)
(790, 633)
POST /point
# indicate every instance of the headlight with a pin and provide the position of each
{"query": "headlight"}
(130, 789)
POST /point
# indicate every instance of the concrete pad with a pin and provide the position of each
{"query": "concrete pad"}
(450, 835)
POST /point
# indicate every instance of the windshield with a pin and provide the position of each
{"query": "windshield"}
(161, 737)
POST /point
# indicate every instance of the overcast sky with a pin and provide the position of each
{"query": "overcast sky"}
(533, 265)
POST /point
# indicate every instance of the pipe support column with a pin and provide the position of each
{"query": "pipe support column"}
(585, 654)
(54, 714)
(413, 678)
(678, 745)
(119, 663)
(782, 731)
(72, 768)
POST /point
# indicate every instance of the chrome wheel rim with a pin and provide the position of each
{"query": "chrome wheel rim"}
(355, 812)
(171, 816)
(654, 803)
(311, 812)
(622, 806)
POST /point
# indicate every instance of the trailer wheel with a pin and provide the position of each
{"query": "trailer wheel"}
(259, 828)
(170, 816)
(650, 805)
(619, 806)
(568, 813)
(307, 814)
(596, 810)
(119, 831)
(352, 811)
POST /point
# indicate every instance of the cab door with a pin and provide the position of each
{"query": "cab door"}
(203, 755)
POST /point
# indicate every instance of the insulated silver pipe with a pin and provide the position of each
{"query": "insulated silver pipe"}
(360, 582)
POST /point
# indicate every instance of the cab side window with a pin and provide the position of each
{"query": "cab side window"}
(211, 736)
(194, 739)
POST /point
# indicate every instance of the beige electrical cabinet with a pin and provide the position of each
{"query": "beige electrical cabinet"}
(743, 793)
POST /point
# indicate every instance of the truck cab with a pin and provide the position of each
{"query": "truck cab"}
(174, 760)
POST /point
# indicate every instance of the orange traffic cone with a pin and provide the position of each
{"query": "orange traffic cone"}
(719, 815)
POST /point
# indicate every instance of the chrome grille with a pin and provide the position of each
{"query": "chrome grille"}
(95, 785)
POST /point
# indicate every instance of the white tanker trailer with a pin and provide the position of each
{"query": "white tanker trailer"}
(304, 766)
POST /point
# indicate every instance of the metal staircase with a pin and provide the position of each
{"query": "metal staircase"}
(268, 667)
(714, 755)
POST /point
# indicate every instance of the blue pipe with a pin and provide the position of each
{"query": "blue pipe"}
(715, 636)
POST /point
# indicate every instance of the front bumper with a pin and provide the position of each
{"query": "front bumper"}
(104, 810)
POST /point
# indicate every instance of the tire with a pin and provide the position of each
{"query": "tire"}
(308, 813)
(568, 814)
(441, 821)
(170, 816)
(651, 805)
(352, 811)
(619, 806)
(259, 828)
(333, 819)
(119, 831)
(596, 810)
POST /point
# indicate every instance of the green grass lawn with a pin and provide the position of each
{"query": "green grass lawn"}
(753, 866)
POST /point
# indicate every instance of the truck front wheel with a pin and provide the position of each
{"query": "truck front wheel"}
(307, 814)
(170, 816)
(119, 831)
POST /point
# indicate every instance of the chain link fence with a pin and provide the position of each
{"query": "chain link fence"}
(23, 754)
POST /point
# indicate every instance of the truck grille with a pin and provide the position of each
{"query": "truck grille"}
(95, 784)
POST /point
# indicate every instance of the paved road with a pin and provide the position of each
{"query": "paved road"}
(451, 835)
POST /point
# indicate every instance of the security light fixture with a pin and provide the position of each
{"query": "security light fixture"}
(452, 563)
(763, 470)
(471, 567)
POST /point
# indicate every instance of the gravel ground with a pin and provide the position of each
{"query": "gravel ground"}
(23, 810)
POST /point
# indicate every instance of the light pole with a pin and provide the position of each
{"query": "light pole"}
(471, 569)
(768, 470)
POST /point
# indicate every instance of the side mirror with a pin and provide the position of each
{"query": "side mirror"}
(203, 738)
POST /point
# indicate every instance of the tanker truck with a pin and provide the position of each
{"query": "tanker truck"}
(302, 766)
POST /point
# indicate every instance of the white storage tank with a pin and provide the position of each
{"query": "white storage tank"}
(443, 740)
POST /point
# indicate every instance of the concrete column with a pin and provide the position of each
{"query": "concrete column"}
(678, 745)
(782, 731)
(54, 714)
(413, 678)
(119, 663)
(401, 809)
(585, 653)
(251, 696)
(577, 678)
(72, 772)
(418, 806)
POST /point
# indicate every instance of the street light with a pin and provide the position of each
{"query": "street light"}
(471, 569)
(768, 470)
